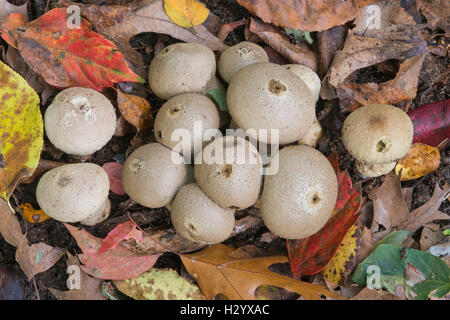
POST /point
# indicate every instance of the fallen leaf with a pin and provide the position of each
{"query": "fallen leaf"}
(186, 13)
(428, 211)
(159, 284)
(225, 29)
(436, 11)
(328, 42)
(124, 231)
(118, 263)
(372, 294)
(7, 8)
(219, 95)
(420, 160)
(11, 287)
(345, 259)
(32, 215)
(90, 288)
(299, 54)
(403, 87)
(216, 273)
(149, 18)
(389, 207)
(37, 258)
(431, 122)
(114, 171)
(307, 15)
(12, 22)
(310, 255)
(71, 57)
(137, 111)
(21, 130)
(430, 237)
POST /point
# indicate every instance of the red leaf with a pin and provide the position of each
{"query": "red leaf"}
(310, 255)
(431, 122)
(124, 231)
(114, 171)
(70, 57)
(118, 263)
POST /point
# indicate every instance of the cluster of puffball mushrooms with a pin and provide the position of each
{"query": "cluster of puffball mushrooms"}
(295, 202)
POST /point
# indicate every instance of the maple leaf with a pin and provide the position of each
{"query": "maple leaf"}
(217, 273)
(310, 255)
(67, 57)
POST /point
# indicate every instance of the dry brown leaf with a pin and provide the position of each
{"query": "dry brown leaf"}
(225, 29)
(420, 160)
(365, 47)
(43, 167)
(403, 87)
(306, 15)
(372, 294)
(37, 258)
(216, 273)
(271, 35)
(148, 17)
(328, 42)
(437, 12)
(366, 244)
(90, 287)
(430, 237)
(428, 211)
(389, 207)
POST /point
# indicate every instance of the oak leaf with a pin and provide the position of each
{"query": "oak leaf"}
(218, 274)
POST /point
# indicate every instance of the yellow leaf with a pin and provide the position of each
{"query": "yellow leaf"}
(345, 258)
(186, 13)
(219, 274)
(32, 215)
(420, 160)
(21, 130)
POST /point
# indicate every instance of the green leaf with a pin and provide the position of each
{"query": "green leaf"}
(395, 238)
(21, 130)
(300, 35)
(447, 232)
(220, 97)
(159, 284)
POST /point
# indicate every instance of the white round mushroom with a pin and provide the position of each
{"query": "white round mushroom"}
(80, 121)
(75, 193)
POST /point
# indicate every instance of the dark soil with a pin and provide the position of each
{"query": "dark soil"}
(431, 89)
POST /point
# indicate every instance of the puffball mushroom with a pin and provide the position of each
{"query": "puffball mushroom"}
(299, 199)
(180, 68)
(230, 172)
(265, 96)
(153, 174)
(312, 81)
(75, 193)
(198, 218)
(237, 57)
(80, 121)
(377, 136)
(184, 114)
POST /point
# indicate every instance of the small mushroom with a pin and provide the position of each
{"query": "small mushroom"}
(237, 57)
(312, 81)
(75, 193)
(229, 171)
(80, 121)
(299, 199)
(266, 96)
(377, 136)
(180, 68)
(198, 218)
(189, 114)
(309, 77)
(153, 174)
